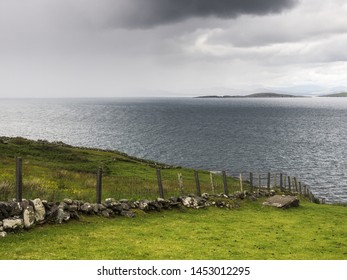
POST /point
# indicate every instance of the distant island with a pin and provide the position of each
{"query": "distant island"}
(254, 95)
(341, 94)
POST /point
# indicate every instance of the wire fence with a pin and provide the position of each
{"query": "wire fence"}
(29, 183)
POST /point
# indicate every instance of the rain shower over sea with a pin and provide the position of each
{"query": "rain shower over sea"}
(302, 137)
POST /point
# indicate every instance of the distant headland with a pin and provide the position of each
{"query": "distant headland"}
(341, 94)
(254, 95)
(271, 95)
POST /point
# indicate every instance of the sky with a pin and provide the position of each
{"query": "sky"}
(121, 48)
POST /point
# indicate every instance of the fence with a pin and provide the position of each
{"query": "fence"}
(213, 183)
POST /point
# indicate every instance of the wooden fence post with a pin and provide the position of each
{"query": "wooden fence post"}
(225, 183)
(251, 181)
(197, 182)
(212, 182)
(180, 183)
(285, 182)
(160, 184)
(296, 185)
(259, 183)
(19, 179)
(281, 182)
(241, 183)
(268, 181)
(289, 184)
(99, 186)
(275, 181)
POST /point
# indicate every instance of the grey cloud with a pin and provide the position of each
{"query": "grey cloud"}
(149, 13)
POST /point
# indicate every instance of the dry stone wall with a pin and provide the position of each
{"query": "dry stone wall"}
(18, 216)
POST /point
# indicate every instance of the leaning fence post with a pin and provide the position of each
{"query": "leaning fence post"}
(296, 185)
(19, 179)
(289, 184)
(197, 182)
(268, 181)
(99, 186)
(300, 189)
(225, 183)
(160, 184)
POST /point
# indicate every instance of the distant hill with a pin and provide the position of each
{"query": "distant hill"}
(341, 94)
(270, 95)
(254, 95)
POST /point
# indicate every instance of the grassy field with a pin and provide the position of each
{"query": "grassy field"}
(54, 171)
(252, 231)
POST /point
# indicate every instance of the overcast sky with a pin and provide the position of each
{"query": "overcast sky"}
(90, 48)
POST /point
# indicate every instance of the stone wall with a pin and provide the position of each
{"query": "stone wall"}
(18, 216)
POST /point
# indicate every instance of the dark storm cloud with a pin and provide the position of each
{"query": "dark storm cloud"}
(148, 13)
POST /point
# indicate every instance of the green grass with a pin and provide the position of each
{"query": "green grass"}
(252, 231)
(53, 171)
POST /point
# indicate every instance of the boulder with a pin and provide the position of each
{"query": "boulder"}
(5, 210)
(3, 233)
(282, 201)
(40, 212)
(13, 223)
(144, 205)
(16, 208)
(87, 208)
(29, 216)
(68, 201)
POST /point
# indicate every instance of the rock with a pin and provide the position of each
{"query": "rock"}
(105, 213)
(154, 205)
(64, 205)
(72, 207)
(1, 228)
(128, 214)
(174, 199)
(205, 195)
(68, 201)
(29, 217)
(16, 208)
(125, 206)
(3, 234)
(87, 208)
(5, 210)
(40, 212)
(189, 202)
(117, 207)
(13, 223)
(124, 201)
(60, 215)
(0, 223)
(144, 205)
(282, 201)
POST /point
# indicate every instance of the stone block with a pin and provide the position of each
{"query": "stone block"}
(40, 212)
(282, 201)
(13, 223)
(29, 217)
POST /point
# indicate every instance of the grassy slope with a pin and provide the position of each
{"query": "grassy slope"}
(251, 232)
(55, 171)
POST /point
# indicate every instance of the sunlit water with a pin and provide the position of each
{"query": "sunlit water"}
(303, 137)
